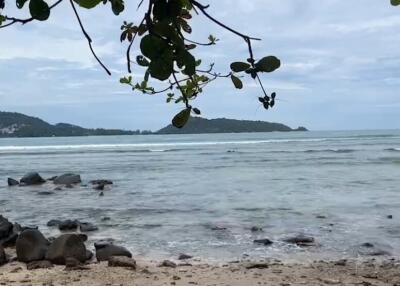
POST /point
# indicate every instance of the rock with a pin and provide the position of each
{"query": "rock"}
(66, 246)
(68, 225)
(168, 263)
(99, 187)
(257, 266)
(68, 179)
(42, 264)
(89, 255)
(11, 182)
(183, 256)
(321, 217)
(82, 236)
(121, 261)
(256, 229)
(6, 228)
(389, 217)
(101, 182)
(101, 194)
(87, 227)
(301, 240)
(106, 218)
(104, 252)
(341, 262)
(45, 193)
(3, 257)
(370, 249)
(264, 241)
(31, 245)
(32, 178)
(10, 240)
(53, 222)
(57, 189)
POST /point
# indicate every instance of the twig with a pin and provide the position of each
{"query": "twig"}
(128, 51)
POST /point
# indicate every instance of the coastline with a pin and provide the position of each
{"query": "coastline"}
(367, 272)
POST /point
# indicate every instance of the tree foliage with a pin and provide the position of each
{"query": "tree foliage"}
(167, 53)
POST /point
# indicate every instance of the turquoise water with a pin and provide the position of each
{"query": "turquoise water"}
(170, 192)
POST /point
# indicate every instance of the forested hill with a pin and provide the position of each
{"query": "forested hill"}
(197, 125)
(20, 125)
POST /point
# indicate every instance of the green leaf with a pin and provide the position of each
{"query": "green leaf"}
(39, 10)
(152, 47)
(239, 66)
(142, 61)
(395, 2)
(237, 82)
(88, 4)
(162, 67)
(117, 6)
(181, 118)
(21, 3)
(268, 64)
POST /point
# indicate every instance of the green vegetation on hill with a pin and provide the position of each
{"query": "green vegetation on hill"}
(201, 125)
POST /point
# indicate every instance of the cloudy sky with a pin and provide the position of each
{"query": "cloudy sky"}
(341, 66)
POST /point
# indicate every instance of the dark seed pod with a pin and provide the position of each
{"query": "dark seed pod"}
(273, 95)
(266, 105)
(261, 99)
(272, 103)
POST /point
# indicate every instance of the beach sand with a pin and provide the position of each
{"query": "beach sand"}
(233, 274)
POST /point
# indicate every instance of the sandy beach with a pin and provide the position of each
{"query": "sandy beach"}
(365, 273)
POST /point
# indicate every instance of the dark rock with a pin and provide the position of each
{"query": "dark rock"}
(10, 240)
(121, 261)
(256, 229)
(68, 179)
(6, 227)
(87, 227)
(99, 187)
(369, 249)
(101, 194)
(183, 256)
(89, 255)
(168, 263)
(257, 266)
(66, 246)
(390, 217)
(3, 257)
(104, 252)
(101, 182)
(218, 228)
(367, 244)
(43, 264)
(18, 228)
(52, 178)
(342, 262)
(106, 218)
(82, 236)
(31, 245)
(68, 225)
(264, 241)
(57, 189)
(53, 222)
(11, 182)
(45, 193)
(321, 216)
(32, 179)
(301, 240)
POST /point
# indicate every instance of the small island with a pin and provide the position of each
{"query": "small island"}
(20, 125)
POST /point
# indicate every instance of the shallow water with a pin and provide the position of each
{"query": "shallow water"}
(170, 192)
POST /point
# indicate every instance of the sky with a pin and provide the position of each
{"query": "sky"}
(340, 66)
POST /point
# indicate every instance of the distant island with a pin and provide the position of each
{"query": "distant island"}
(20, 125)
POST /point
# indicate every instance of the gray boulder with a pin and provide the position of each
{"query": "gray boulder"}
(105, 251)
(66, 246)
(31, 245)
(11, 182)
(68, 179)
(32, 178)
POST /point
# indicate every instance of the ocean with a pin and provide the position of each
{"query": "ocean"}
(202, 194)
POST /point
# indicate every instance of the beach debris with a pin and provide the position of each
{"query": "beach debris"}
(12, 182)
(122, 261)
(42, 264)
(300, 240)
(106, 250)
(66, 246)
(32, 178)
(183, 256)
(168, 263)
(31, 245)
(67, 179)
(256, 229)
(264, 241)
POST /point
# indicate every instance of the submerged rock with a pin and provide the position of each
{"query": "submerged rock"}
(32, 178)
(66, 246)
(121, 261)
(301, 240)
(68, 225)
(264, 241)
(101, 182)
(68, 179)
(31, 246)
(105, 251)
(87, 227)
(256, 229)
(11, 182)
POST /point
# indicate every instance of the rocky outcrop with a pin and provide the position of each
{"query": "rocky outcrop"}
(12, 182)
(104, 251)
(67, 179)
(66, 246)
(32, 178)
(31, 245)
